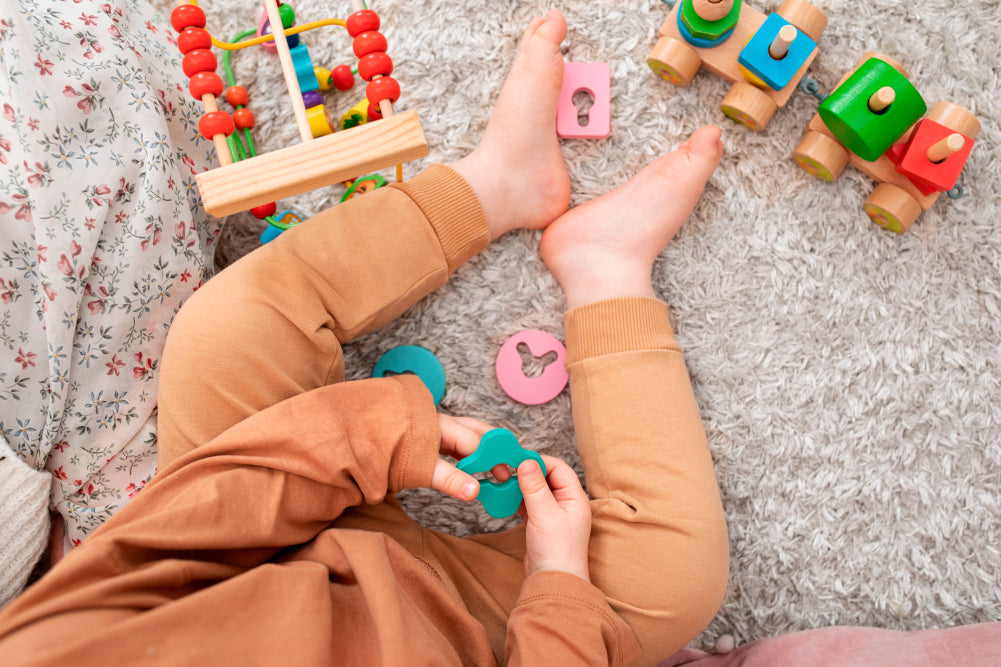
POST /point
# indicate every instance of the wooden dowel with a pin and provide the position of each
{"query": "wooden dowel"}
(208, 103)
(941, 150)
(882, 98)
(221, 145)
(780, 45)
(288, 69)
(712, 10)
(385, 106)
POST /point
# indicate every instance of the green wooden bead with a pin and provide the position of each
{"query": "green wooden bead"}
(709, 30)
(864, 132)
(287, 14)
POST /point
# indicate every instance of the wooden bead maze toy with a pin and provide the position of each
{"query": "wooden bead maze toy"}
(245, 180)
(873, 120)
(763, 57)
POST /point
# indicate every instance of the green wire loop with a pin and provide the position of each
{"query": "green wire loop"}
(237, 150)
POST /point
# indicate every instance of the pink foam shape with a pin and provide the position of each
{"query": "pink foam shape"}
(595, 78)
(520, 387)
(268, 46)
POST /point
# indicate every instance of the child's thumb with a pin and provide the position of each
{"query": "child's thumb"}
(539, 498)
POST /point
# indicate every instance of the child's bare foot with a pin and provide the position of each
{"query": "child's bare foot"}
(606, 248)
(517, 171)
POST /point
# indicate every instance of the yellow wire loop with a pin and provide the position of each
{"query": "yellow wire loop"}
(254, 41)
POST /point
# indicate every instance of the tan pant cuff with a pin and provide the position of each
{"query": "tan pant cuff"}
(454, 211)
(618, 325)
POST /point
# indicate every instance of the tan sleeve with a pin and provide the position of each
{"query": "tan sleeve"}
(273, 481)
(271, 325)
(561, 619)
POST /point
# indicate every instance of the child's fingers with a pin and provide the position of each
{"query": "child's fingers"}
(449, 479)
(501, 472)
(539, 500)
(563, 481)
(474, 424)
(460, 436)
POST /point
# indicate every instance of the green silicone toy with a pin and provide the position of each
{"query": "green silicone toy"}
(499, 499)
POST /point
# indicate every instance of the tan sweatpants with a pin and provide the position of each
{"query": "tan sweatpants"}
(271, 327)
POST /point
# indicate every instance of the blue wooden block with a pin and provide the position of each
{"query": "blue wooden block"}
(304, 69)
(270, 233)
(776, 74)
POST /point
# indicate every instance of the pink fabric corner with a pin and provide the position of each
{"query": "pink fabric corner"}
(966, 646)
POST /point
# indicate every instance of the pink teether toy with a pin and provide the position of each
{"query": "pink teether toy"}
(595, 78)
(514, 382)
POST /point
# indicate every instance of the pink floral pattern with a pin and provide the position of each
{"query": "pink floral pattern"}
(102, 237)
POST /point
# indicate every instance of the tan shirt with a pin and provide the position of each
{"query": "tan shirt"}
(234, 555)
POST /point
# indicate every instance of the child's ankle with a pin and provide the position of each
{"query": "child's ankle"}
(597, 286)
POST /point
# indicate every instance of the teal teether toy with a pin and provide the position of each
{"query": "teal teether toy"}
(417, 360)
(500, 499)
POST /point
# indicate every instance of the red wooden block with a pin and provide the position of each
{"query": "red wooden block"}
(926, 175)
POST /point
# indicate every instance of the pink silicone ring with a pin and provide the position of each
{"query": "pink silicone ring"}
(514, 382)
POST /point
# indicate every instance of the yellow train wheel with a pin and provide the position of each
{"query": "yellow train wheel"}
(674, 61)
(892, 208)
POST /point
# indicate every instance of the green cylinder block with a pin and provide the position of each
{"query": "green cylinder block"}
(864, 132)
(708, 30)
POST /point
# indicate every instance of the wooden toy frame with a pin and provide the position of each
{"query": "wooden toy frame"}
(337, 157)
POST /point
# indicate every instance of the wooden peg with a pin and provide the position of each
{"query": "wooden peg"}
(209, 104)
(780, 45)
(288, 70)
(881, 99)
(939, 151)
(712, 10)
(385, 106)
(221, 145)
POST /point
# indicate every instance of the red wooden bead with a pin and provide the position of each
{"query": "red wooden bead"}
(199, 60)
(373, 112)
(264, 210)
(237, 96)
(243, 118)
(342, 78)
(375, 64)
(385, 88)
(187, 16)
(194, 38)
(369, 42)
(216, 122)
(205, 83)
(362, 21)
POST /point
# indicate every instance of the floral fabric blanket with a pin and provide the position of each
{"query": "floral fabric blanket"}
(102, 238)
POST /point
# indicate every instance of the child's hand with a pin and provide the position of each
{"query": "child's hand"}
(460, 436)
(557, 518)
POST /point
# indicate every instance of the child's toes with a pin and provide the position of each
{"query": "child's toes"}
(705, 146)
(695, 160)
(554, 28)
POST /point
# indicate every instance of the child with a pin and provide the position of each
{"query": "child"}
(271, 534)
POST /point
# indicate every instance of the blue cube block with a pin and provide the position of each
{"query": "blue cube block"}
(304, 69)
(776, 74)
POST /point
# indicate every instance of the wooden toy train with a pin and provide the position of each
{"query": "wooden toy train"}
(763, 57)
(873, 120)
